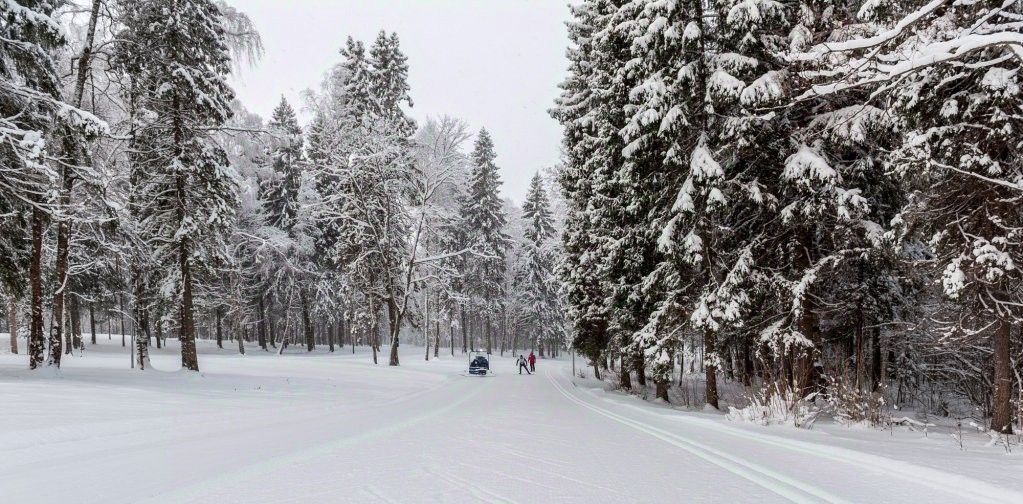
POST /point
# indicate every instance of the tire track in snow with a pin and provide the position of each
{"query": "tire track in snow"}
(784, 486)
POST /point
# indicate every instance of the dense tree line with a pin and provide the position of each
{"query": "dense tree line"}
(803, 196)
(139, 197)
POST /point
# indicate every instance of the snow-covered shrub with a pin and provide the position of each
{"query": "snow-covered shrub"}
(772, 406)
(852, 406)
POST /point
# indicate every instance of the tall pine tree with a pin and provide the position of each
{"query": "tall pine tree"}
(175, 57)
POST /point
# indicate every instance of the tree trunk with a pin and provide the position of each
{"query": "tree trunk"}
(12, 323)
(436, 338)
(376, 331)
(486, 331)
(624, 378)
(235, 326)
(307, 326)
(189, 358)
(465, 332)
(860, 352)
(426, 324)
(92, 322)
(661, 390)
(220, 334)
(640, 371)
(261, 329)
(36, 342)
(61, 284)
(1001, 397)
(142, 344)
(159, 329)
(394, 329)
(76, 323)
(330, 336)
(271, 324)
(875, 361)
(710, 369)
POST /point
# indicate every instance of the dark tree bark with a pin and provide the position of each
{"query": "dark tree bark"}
(875, 361)
(235, 325)
(662, 390)
(1001, 397)
(624, 378)
(860, 351)
(220, 334)
(710, 370)
(465, 332)
(271, 323)
(36, 342)
(12, 323)
(262, 324)
(142, 343)
(307, 326)
(159, 330)
(486, 330)
(76, 323)
(189, 358)
(92, 322)
(393, 327)
(120, 302)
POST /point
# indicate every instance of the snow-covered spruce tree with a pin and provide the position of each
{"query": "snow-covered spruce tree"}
(746, 150)
(962, 151)
(279, 190)
(591, 140)
(536, 281)
(31, 110)
(691, 112)
(953, 70)
(294, 277)
(666, 120)
(837, 192)
(174, 54)
(484, 220)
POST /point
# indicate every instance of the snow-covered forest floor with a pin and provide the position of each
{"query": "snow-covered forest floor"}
(335, 428)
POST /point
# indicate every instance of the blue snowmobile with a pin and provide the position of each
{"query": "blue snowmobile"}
(479, 364)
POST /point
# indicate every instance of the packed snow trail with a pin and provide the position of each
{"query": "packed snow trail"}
(334, 428)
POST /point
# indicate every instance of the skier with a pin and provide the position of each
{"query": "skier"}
(522, 365)
(532, 361)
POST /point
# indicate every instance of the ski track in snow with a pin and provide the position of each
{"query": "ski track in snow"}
(962, 486)
(333, 428)
(780, 484)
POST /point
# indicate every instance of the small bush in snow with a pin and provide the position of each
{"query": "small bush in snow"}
(852, 406)
(774, 406)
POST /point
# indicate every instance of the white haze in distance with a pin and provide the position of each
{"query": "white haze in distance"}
(492, 63)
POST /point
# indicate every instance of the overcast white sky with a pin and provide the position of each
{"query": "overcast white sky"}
(493, 63)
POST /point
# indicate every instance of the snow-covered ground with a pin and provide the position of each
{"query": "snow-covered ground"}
(326, 427)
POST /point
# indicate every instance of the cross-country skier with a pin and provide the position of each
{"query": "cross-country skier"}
(532, 361)
(522, 364)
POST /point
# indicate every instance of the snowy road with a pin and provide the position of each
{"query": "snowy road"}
(334, 428)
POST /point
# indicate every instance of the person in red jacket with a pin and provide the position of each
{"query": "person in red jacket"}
(532, 362)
